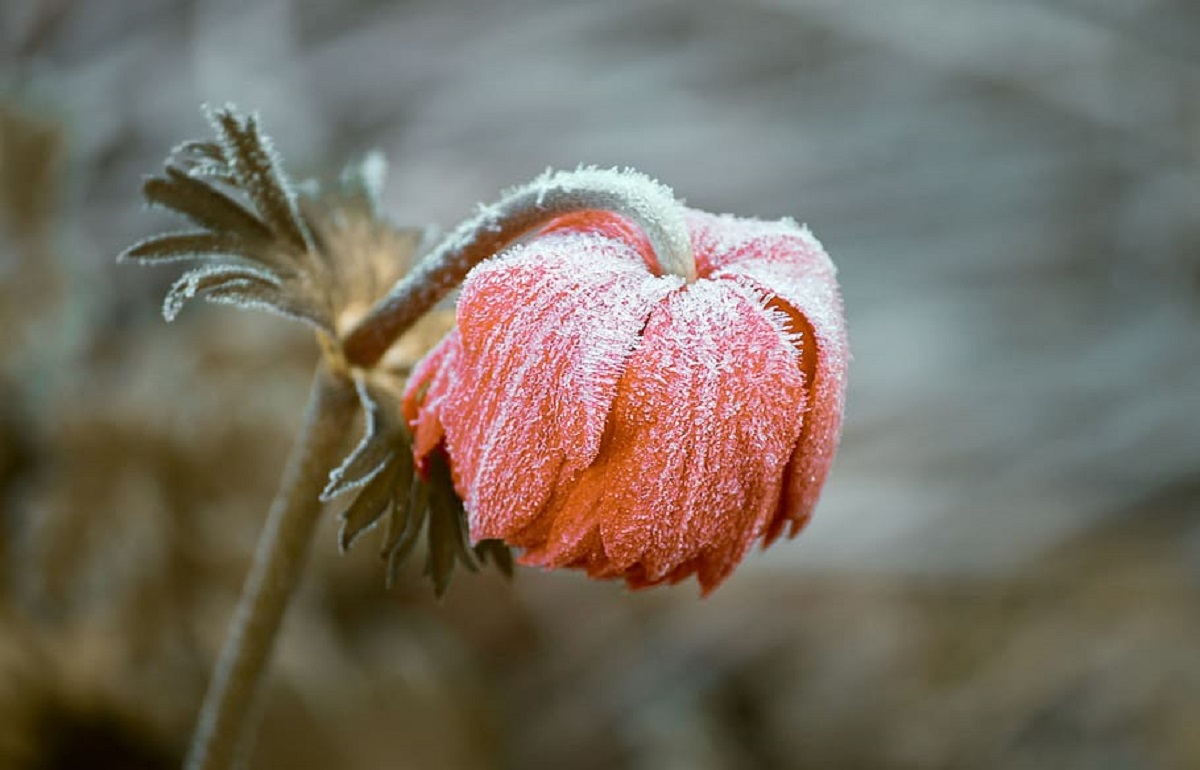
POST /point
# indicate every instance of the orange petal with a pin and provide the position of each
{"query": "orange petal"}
(690, 470)
(546, 330)
(425, 394)
(787, 265)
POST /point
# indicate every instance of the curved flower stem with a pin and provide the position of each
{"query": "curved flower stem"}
(649, 204)
(225, 716)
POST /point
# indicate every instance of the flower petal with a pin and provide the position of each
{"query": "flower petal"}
(704, 422)
(546, 330)
(608, 225)
(425, 395)
(789, 267)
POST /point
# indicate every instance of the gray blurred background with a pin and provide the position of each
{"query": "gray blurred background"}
(1004, 569)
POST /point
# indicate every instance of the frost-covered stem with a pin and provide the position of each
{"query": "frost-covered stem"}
(226, 715)
(651, 205)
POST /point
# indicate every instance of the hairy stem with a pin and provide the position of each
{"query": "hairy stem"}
(649, 204)
(226, 714)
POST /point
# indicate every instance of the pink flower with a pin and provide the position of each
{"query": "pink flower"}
(603, 416)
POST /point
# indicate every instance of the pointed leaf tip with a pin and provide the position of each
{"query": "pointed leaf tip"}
(368, 507)
(181, 246)
(259, 174)
(212, 278)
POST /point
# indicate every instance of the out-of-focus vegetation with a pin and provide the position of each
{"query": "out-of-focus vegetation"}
(1005, 570)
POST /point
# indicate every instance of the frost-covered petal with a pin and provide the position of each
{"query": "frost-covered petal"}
(789, 267)
(720, 240)
(705, 419)
(426, 392)
(608, 225)
(545, 332)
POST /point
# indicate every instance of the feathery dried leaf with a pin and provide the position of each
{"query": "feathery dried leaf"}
(252, 295)
(211, 277)
(204, 205)
(447, 504)
(381, 474)
(330, 253)
(181, 246)
(257, 170)
(199, 150)
(212, 172)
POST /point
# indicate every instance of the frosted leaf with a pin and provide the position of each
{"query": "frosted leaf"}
(368, 506)
(255, 165)
(381, 477)
(380, 469)
(328, 253)
(376, 449)
(199, 151)
(322, 255)
(177, 247)
(206, 278)
(205, 205)
(277, 300)
(447, 530)
(400, 533)
(496, 552)
(213, 172)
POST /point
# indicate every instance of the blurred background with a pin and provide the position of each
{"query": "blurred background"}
(1004, 571)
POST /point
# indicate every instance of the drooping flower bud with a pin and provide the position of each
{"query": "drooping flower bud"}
(603, 415)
